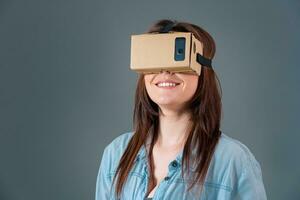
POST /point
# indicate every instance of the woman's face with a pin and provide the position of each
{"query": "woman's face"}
(171, 90)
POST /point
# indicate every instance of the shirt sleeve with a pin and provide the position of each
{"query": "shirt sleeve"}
(103, 183)
(250, 184)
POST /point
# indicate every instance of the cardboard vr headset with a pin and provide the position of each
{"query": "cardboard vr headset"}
(172, 51)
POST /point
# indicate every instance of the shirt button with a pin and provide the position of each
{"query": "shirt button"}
(167, 178)
(174, 164)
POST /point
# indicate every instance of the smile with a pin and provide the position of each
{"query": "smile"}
(166, 85)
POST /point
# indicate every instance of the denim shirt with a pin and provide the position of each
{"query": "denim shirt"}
(233, 173)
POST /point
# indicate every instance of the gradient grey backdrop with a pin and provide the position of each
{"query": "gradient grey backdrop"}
(66, 89)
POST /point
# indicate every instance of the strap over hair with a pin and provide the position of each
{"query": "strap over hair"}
(168, 27)
(203, 61)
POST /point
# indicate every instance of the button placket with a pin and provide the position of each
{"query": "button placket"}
(161, 186)
(174, 164)
(172, 170)
(137, 158)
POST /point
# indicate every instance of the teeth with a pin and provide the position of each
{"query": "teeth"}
(165, 84)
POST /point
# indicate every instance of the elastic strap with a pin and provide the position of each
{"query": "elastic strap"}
(203, 61)
(168, 27)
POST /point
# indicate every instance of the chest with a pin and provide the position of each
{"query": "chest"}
(137, 186)
(161, 160)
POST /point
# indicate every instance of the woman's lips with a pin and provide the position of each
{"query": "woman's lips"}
(166, 81)
(167, 85)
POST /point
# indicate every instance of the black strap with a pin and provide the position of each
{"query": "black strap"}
(203, 61)
(168, 27)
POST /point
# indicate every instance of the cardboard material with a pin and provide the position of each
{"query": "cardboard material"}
(153, 52)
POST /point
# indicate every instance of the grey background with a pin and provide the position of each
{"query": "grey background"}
(66, 89)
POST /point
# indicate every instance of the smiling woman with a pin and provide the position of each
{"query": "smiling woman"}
(171, 90)
(177, 150)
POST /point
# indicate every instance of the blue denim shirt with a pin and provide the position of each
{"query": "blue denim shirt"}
(234, 173)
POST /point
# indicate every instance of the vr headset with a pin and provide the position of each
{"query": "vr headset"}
(166, 50)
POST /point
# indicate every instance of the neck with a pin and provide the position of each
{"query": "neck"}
(173, 129)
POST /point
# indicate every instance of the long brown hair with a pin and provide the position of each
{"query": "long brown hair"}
(205, 107)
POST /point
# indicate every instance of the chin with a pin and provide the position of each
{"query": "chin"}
(166, 102)
(169, 105)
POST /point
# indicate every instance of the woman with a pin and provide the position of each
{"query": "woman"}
(177, 150)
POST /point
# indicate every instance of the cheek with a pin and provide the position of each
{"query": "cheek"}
(148, 78)
(147, 81)
(191, 87)
(148, 85)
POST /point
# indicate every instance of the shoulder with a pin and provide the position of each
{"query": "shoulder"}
(236, 166)
(232, 146)
(120, 142)
(232, 153)
(114, 150)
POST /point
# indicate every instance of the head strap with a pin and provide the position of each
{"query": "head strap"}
(168, 27)
(203, 61)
